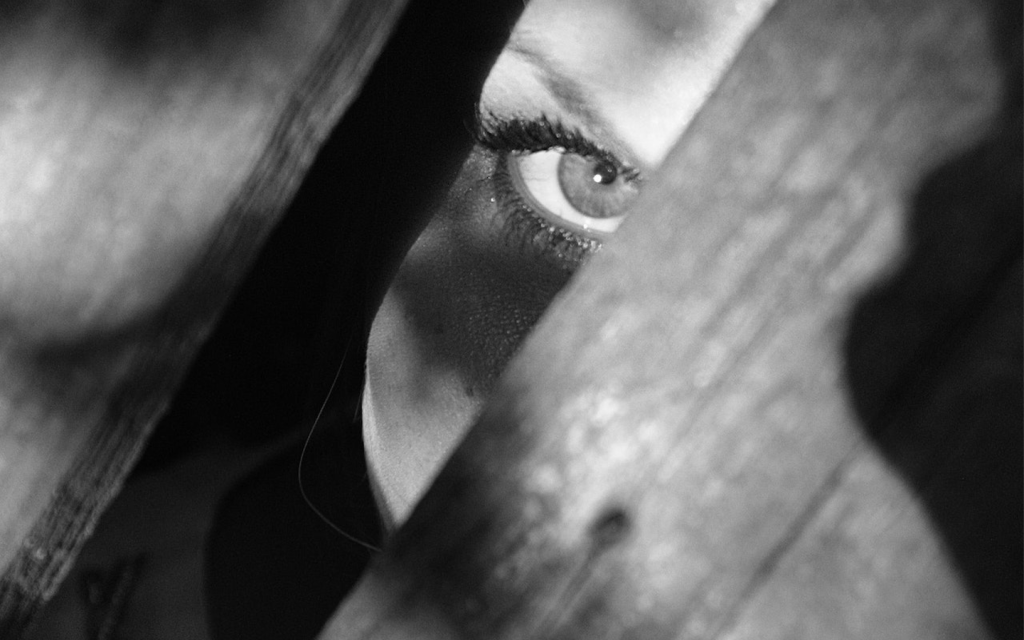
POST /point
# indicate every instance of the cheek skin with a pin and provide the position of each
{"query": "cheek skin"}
(413, 410)
(456, 312)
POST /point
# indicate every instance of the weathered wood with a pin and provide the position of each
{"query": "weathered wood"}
(146, 152)
(693, 443)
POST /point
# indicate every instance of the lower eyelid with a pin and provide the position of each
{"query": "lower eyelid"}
(528, 231)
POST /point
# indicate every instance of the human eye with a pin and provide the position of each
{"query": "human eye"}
(560, 193)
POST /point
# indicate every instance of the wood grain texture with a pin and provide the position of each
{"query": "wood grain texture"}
(147, 150)
(715, 433)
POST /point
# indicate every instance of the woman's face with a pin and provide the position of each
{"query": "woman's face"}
(577, 113)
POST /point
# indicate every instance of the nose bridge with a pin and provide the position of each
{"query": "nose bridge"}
(674, 453)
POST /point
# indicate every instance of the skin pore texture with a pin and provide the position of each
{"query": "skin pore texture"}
(627, 78)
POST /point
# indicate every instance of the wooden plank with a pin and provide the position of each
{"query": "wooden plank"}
(678, 451)
(956, 437)
(147, 152)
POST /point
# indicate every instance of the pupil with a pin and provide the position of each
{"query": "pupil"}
(604, 173)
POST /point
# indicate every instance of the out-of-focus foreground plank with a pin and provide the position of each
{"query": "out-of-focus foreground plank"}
(145, 152)
(715, 433)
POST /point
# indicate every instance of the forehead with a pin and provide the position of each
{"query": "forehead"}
(642, 67)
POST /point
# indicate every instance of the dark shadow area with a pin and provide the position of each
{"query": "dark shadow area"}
(275, 568)
(311, 293)
(934, 355)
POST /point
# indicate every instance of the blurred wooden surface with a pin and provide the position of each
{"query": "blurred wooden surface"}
(784, 402)
(146, 151)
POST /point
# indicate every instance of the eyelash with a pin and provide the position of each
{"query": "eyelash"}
(522, 225)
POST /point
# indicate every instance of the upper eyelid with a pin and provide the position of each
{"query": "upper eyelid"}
(540, 134)
(535, 134)
(571, 96)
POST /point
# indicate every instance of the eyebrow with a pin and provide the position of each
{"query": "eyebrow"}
(572, 96)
